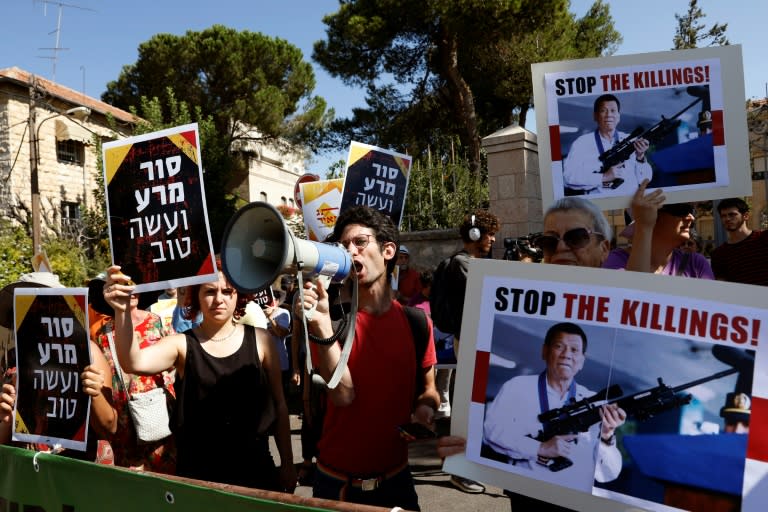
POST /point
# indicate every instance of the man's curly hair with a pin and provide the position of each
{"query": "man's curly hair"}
(485, 221)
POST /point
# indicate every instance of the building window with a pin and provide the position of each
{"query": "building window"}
(70, 151)
(70, 216)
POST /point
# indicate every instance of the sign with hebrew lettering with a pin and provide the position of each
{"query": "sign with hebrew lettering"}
(600, 390)
(377, 178)
(320, 205)
(158, 219)
(52, 350)
(674, 118)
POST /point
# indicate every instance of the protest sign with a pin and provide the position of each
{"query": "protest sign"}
(158, 220)
(52, 350)
(321, 203)
(688, 105)
(377, 178)
(678, 355)
(264, 297)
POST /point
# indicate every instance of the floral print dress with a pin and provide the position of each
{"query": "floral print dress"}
(159, 456)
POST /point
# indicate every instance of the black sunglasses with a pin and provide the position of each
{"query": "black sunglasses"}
(575, 239)
(681, 210)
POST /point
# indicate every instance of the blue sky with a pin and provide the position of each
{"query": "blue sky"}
(102, 36)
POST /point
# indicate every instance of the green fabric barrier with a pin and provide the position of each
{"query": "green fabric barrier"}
(66, 485)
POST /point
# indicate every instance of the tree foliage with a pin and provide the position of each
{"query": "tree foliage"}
(692, 33)
(232, 76)
(441, 190)
(437, 69)
(229, 82)
(15, 252)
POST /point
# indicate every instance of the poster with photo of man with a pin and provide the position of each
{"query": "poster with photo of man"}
(601, 389)
(675, 118)
(158, 220)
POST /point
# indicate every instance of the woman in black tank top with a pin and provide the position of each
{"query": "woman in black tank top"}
(227, 380)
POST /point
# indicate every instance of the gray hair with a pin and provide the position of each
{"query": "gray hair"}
(599, 222)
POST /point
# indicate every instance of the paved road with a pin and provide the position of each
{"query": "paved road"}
(436, 493)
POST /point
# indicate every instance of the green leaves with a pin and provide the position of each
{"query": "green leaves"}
(692, 34)
(232, 76)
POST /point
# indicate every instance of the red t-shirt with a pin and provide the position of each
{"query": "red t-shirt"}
(409, 283)
(362, 438)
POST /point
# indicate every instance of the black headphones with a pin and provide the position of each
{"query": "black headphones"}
(474, 232)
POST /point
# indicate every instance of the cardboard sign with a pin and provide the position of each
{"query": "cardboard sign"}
(321, 204)
(377, 178)
(678, 355)
(158, 221)
(52, 350)
(688, 105)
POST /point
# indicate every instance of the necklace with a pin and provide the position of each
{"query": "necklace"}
(226, 337)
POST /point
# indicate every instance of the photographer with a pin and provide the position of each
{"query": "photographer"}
(521, 249)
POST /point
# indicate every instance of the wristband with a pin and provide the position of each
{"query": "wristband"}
(333, 338)
(610, 441)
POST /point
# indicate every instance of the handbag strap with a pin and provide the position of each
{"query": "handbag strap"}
(115, 360)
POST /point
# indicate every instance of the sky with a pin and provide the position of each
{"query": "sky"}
(102, 36)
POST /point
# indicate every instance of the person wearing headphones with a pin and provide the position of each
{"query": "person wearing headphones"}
(478, 234)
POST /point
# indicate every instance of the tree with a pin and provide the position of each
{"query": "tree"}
(435, 69)
(441, 190)
(501, 77)
(691, 34)
(238, 80)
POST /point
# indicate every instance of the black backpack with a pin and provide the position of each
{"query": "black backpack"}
(417, 319)
(446, 298)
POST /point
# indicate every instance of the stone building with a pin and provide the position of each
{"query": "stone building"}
(65, 122)
(757, 121)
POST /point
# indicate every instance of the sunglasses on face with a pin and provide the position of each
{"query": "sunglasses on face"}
(577, 238)
(681, 210)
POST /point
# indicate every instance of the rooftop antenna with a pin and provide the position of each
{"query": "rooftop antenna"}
(56, 49)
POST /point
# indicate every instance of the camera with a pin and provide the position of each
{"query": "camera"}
(522, 249)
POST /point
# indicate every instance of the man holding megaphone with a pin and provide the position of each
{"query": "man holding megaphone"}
(362, 456)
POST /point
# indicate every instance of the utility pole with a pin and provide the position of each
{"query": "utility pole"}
(34, 156)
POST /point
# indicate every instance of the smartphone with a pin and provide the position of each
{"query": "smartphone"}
(415, 432)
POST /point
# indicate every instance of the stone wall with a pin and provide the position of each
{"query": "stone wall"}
(428, 248)
(515, 198)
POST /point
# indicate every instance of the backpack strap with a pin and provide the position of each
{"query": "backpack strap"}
(417, 319)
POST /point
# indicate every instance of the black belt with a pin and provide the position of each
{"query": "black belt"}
(366, 484)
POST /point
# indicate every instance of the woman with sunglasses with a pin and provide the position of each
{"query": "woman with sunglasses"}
(575, 233)
(583, 230)
(657, 232)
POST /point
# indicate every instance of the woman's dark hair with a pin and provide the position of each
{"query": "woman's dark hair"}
(191, 306)
(381, 224)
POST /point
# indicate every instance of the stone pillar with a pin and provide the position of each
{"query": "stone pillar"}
(514, 188)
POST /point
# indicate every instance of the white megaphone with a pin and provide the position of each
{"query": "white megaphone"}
(258, 247)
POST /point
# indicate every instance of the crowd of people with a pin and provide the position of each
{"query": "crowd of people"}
(226, 369)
